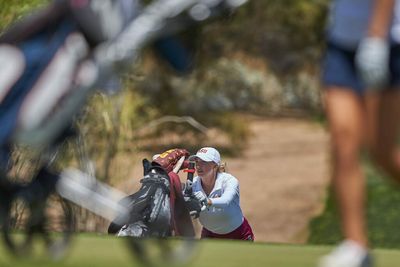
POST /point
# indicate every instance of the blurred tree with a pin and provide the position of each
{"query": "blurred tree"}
(287, 34)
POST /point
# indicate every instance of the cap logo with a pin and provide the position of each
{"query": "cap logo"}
(203, 150)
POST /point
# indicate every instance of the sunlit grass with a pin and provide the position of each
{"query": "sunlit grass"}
(99, 251)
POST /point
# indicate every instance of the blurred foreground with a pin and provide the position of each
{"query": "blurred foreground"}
(102, 251)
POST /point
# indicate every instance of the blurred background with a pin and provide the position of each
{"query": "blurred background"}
(255, 95)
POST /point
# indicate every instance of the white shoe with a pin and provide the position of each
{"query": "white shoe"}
(347, 254)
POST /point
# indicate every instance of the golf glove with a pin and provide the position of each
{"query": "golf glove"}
(187, 187)
(372, 62)
(201, 197)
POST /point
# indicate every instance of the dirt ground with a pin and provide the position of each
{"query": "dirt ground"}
(283, 175)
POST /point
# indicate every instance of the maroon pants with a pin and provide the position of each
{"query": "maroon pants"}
(243, 232)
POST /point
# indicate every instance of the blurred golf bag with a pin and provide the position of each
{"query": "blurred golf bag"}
(157, 209)
(51, 62)
(47, 66)
(42, 59)
(48, 69)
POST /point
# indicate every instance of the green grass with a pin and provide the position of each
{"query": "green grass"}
(383, 214)
(102, 251)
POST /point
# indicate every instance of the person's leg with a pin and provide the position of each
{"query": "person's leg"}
(246, 231)
(345, 112)
(383, 131)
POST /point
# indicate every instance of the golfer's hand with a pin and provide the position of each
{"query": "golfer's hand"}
(372, 62)
(201, 197)
(187, 187)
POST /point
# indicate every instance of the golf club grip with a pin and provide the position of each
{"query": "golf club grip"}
(190, 175)
(191, 171)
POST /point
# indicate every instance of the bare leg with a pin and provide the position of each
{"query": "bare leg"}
(346, 113)
(383, 131)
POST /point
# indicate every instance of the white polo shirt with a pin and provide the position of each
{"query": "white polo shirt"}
(225, 214)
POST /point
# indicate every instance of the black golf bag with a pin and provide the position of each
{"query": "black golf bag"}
(150, 207)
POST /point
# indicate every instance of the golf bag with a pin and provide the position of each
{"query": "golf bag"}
(47, 68)
(157, 209)
(44, 59)
(150, 210)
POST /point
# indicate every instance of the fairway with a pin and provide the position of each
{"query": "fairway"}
(102, 251)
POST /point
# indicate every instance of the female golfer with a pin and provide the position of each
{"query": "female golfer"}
(219, 192)
(361, 76)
